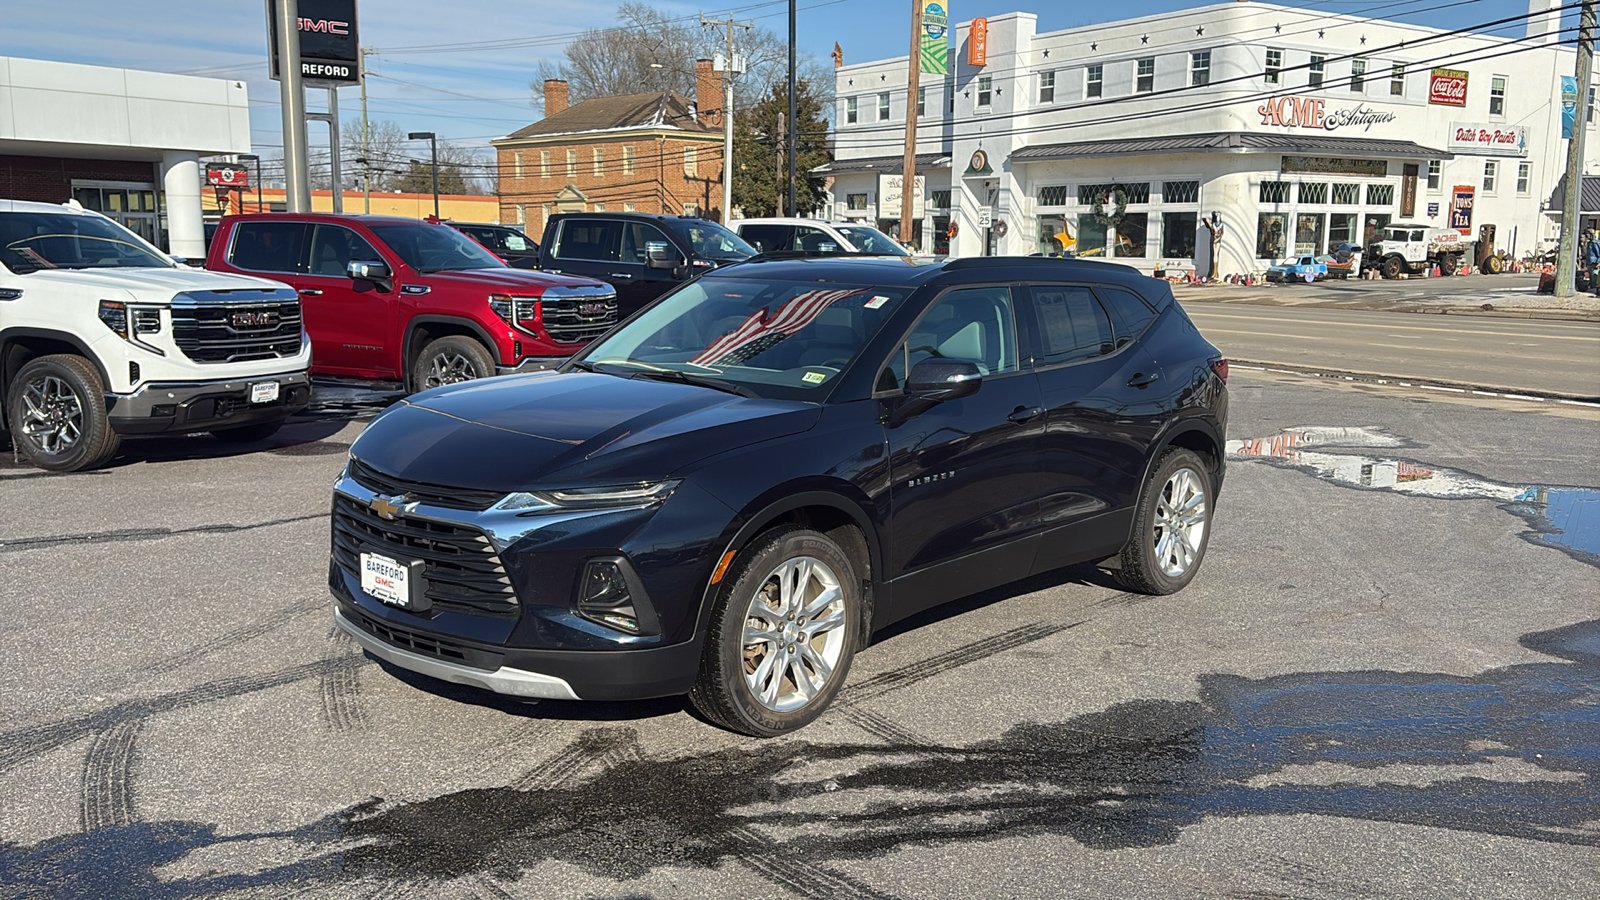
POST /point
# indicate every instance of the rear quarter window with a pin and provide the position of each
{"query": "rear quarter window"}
(268, 246)
(1129, 314)
(589, 239)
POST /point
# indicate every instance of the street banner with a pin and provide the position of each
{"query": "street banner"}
(1569, 105)
(935, 38)
(1461, 197)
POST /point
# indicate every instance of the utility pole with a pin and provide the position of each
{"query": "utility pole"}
(777, 144)
(297, 180)
(1567, 253)
(794, 123)
(366, 137)
(730, 67)
(908, 176)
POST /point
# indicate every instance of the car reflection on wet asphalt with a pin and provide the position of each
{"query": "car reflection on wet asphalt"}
(1567, 518)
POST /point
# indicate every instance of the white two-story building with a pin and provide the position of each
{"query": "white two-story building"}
(1285, 130)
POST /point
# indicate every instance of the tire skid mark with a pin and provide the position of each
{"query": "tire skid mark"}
(239, 636)
(119, 535)
(339, 688)
(592, 746)
(486, 886)
(879, 726)
(26, 743)
(809, 880)
(881, 684)
(106, 795)
(1318, 880)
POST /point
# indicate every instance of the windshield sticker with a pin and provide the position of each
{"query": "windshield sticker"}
(814, 377)
(876, 302)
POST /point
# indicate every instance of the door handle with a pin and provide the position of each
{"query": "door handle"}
(1142, 380)
(622, 276)
(1021, 415)
(311, 292)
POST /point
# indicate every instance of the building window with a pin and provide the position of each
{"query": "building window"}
(1146, 81)
(522, 213)
(1346, 194)
(950, 98)
(572, 164)
(883, 107)
(1177, 235)
(1314, 192)
(1274, 192)
(691, 162)
(940, 199)
(516, 159)
(985, 90)
(544, 163)
(856, 201)
(1490, 170)
(1341, 229)
(1524, 177)
(599, 162)
(1380, 195)
(1434, 176)
(1274, 65)
(1094, 81)
(1588, 116)
(1053, 195)
(1135, 191)
(1047, 87)
(1271, 231)
(1358, 76)
(1180, 191)
(1314, 72)
(1200, 68)
(629, 207)
(599, 207)
(1397, 80)
(922, 101)
(627, 160)
(1308, 233)
(850, 110)
(1497, 95)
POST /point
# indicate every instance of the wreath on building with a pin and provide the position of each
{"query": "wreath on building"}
(1119, 201)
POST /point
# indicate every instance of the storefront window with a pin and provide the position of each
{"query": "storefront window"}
(1177, 235)
(1308, 233)
(1314, 192)
(1380, 195)
(1270, 231)
(941, 236)
(1091, 236)
(1133, 233)
(1049, 227)
(1341, 229)
(1374, 226)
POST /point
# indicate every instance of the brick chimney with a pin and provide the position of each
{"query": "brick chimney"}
(707, 93)
(555, 96)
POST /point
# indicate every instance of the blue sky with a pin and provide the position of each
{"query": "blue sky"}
(470, 95)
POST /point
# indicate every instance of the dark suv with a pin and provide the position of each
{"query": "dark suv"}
(643, 256)
(729, 494)
(517, 249)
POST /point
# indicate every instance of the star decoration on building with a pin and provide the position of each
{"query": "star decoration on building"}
(1047, 54)
(1200, 31)
(883, 78)
(1363, 40)
(1095, 46)
(997, 92)
(851, 82)
(1145, 39)
(967, 95)
(1277, 29)
(1319, 33)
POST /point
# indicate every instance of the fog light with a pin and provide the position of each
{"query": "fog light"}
(610, 594)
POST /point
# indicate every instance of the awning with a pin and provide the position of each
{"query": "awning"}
(886, 164)
(1230, 140)
(1588, 200)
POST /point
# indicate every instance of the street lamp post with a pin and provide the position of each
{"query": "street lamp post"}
(257, 176)
(433, 150)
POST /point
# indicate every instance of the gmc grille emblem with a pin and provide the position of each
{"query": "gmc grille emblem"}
(596, 308)
(254, 319)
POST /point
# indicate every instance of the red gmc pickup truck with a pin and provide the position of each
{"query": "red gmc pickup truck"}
(395, 299)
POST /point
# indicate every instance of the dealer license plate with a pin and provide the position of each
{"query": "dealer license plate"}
(264, 392)
(386, 579)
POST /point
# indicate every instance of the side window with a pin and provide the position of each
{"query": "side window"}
(636, 237)
(333, 247)
(589, 239)
(814, 240)
(974, 324)
(768, 238)
(268, 246)
(1072, 326)
(1129, 314)
(512, 240)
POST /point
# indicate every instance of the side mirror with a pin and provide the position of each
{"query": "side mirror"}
(828, 247)
(660, 255)
(364, 270)
(938, 380)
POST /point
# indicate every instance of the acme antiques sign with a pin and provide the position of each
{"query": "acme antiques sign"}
(1312, 112)
(1493, 140)
(1447, 87)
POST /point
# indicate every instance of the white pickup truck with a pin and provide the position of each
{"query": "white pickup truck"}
(102, 335)
(1415, 248)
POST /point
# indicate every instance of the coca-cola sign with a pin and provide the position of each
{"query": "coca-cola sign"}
(1489, 140)
(1448, 87)
(1312, 112)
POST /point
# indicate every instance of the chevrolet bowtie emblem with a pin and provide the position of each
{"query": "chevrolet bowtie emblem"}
(387, 507)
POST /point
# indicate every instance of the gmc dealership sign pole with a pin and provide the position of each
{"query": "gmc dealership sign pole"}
(297, 179)
(327, 54)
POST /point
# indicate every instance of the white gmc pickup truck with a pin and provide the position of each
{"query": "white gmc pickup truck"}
(102, 335)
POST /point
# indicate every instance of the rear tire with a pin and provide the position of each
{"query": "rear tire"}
(57, 410)
(450, 360)
(248, 434)
(1172, 526)
(1447, 264)
(783, 634)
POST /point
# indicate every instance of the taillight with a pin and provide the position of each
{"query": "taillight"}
(521, 312)
(1220, 366)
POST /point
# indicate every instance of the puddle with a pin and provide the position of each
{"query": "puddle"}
(311, 448)
(1566, 518)
(331, 398)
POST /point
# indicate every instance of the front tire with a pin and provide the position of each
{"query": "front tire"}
(450, 360)
(1172, 526)
(783, 634)
(58, 414)
(1391, 267)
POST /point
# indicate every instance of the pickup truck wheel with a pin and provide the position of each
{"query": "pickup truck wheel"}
(58, 414)
(1447, 264)
(783, 634)
(246, 434)
(1391, 267)
(450, 360)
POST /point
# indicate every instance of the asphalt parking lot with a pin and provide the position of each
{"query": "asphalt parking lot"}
(1382, 684)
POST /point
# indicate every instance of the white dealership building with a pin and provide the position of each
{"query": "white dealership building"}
(1290, 129)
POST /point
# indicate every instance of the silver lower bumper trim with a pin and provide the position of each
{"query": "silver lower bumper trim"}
(516, 682)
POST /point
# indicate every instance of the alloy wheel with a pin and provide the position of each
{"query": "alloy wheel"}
(449, 367)
(52, 414)
(1180, 522)
(794, 634)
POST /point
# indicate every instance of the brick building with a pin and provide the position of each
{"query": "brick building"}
(656, 152)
